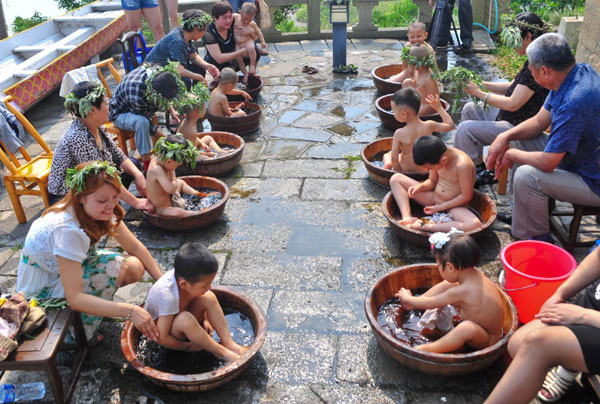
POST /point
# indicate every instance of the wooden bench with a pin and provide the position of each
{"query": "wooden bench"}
(39, 354)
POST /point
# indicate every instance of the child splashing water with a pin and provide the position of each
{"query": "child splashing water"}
(449, 188)
(467, 289)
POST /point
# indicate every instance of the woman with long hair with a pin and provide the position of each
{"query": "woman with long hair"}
(60, 258)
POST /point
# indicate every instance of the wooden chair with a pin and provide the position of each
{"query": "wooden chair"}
(569, 239)
(39, 353)
(28, 177)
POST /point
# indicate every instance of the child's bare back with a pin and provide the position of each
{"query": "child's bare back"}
(218, 104)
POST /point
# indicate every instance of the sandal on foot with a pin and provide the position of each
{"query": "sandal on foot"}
(557, 382)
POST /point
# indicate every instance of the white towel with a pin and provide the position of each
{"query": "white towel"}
(73, 77)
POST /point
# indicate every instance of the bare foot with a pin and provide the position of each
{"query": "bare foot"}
(235, 347)
(417, 225)
(245, 79)
(407, 221)
(228, 355)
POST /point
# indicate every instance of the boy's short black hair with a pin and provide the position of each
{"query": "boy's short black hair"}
(176, 139)
(166, 84)
(428, 150)
(461, 251)
(408, 97)
(194, 261)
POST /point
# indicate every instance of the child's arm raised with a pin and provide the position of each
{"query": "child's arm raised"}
(447, 123)
(162, 177)
(409, 302)
(165, 339)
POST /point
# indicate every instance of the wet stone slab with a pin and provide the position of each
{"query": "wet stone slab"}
(333, 151)
(299, 357)
(315, 311)
(283, 271)
(285, 149)
(313, 135)
(256, 238)
(316, 120)
(359, 275)
(357, 190)
(305, 168)
(270, 187)
(337, 242)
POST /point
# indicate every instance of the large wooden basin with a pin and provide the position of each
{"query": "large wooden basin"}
(384, 109)
(202, 218)
(448, 364)
(480, 202)
(382, 175)
(219, 165)
(240, 125)
(228, 298)
(380, 75)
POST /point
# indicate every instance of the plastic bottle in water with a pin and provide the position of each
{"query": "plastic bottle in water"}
(10, 393)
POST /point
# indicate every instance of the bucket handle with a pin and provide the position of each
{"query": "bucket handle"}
(501, 279)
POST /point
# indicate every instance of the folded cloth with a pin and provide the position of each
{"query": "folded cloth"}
(6, 328)
(35, 318)
(439, 217)
(10, 130)
(442, 319)
(76, 76)
(14, 310)
(7, 345)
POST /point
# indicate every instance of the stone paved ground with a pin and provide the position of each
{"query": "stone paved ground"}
(298, 237)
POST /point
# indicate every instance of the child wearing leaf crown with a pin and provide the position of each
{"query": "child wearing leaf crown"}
(164, 189)
(467, 289)
(423, 63)
(417, 34)
(193, 109)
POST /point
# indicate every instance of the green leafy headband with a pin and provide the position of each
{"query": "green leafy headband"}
(76, 178)
(181, 153)
(200, 21)
(84, 104)
(197, 97)
(511, 33)
(428, 61)
(157, 98)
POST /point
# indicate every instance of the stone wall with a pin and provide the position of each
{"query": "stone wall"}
(588, 49)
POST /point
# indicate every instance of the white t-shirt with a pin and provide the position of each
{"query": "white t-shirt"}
(163, 298)
(54, 234)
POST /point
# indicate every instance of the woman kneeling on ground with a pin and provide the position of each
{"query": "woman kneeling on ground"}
(60, 258)
(562, 341)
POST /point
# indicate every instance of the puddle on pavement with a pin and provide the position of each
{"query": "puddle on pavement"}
(342, 129)
(318, 91)
(291, 116)
(242, 193)
(394, 262)
(347, 111)
(313, 105)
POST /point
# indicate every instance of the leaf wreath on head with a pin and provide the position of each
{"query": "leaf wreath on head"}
(197, 97)
(511, 33)
(156, 98)
(198, 21)
(428, 61)
(181, 153)
(84, 105)
(76, 178)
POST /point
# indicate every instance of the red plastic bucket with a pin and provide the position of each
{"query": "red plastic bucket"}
(533, 272)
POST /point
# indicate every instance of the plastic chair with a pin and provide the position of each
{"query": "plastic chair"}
(133, 56)
(29, 177)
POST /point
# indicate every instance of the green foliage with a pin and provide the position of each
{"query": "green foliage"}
(284, 13)
(549, 10)
(457, 79)
(84, 105)
(389, 14)
(76, 178)
(21, 24)
(351, 167)
(508, 62)
(181, 153)
(288, 26)
(72, 4)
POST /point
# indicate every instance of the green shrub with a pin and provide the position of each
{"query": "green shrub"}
(549, 10)
(390, 14)
(21, 24)
(508, 62)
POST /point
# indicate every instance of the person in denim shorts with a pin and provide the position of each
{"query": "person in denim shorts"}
(134, 9)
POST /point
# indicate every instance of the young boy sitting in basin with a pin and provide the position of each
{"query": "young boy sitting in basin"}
(467, 289)
(186, 311)
(417, 34)
(193, 111)
(218, 105)
(449, 188)
(405, 105)
(163, 187)
(423, 63)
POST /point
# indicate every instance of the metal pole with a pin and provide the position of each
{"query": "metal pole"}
(339, 44)
(3, 29)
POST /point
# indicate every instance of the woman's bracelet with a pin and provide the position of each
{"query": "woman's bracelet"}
(485, 98)
(130, 311)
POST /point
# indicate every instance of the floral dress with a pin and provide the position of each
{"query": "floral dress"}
(58, 234)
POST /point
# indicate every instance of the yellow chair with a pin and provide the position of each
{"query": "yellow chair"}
(29, 177)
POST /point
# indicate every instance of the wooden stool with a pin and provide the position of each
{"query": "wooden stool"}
(595, 383)
(122, 137)
(569, 240)
(39, 354)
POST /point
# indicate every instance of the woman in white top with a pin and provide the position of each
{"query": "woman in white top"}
(60, 258)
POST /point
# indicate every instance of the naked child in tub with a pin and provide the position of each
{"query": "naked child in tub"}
(449, 188)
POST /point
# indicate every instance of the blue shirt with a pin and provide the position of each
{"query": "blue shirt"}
(575, 109)
(172, 48)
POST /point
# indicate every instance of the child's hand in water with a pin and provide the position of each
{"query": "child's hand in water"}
(434, 101)
(403, 295)
(246, 96)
